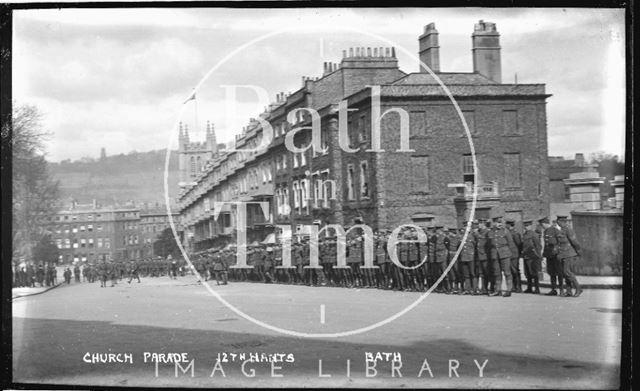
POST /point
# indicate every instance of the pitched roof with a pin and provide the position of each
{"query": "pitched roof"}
(469, 90)
(460, 78)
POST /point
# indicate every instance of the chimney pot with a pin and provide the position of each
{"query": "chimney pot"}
(486, 51)
(344, 54)
(350, 52)
(368, 52)
(429, 48)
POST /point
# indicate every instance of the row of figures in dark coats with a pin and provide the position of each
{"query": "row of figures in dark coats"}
(32, 276)
(487, 260)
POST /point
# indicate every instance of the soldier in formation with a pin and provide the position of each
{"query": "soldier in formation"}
(482, 264)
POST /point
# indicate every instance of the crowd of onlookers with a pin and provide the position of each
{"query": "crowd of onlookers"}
(31, 275)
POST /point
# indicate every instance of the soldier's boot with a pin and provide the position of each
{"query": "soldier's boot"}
(447, 286)
(416, 284)
(465, 286)
(407, 282)
(577, 287)
(536, 285)
(379, 281)
(561, 291)
(474, 286)
(497, 286)
(529, 285)
(399, 280)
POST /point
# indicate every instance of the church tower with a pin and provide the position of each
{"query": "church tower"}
(194, 155)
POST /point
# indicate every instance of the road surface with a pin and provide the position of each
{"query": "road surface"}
(526, 341)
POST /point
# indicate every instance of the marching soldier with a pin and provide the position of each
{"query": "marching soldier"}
(423, 271)
(219, 269)
(467, 263)
(332, 260)
(413, 259)
(113, 273)
(323, 253)
(281, 274)
(430, 264)
(532, 254)
(440, 246)
(500, 243)
(568, 251)
(133, 272)
(268, 265)
(382, 260)
(482, 260)
(103, 273)
(550, 251)
(354, 259)
(516, 251)
(76, 273)
(454, 275)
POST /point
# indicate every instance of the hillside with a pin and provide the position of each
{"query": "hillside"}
(137, 176)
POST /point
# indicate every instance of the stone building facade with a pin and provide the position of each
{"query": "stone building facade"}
(427, 182)
(91, 233)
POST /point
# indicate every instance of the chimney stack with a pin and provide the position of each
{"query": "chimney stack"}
(486, 50)
(429, 48)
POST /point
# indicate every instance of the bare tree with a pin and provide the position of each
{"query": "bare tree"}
(35, 193)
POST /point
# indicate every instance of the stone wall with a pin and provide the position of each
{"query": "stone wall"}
(600, 236)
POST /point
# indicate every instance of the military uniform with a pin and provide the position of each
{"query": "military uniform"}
(413, 259)
(354, 259)
(482, 259)
(532, 254)
(550, 252)
(219, 270)
(500, 243)
(467, 263)
(133, 272)
(516, 253)
(454, 274)
(440, 246)
(382, 260)
(568, 251)
(268, 264)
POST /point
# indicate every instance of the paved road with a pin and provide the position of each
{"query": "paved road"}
(529, 341)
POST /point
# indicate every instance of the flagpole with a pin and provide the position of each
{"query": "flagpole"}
(195, 98)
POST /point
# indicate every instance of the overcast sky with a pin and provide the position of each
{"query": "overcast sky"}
(118, 78)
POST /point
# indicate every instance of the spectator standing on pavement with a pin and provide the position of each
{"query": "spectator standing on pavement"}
(76, 273)
(67, 275)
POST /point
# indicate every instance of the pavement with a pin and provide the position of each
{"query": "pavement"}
(588, 282)
(36, 290)
(25, 291)
(529, 341)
